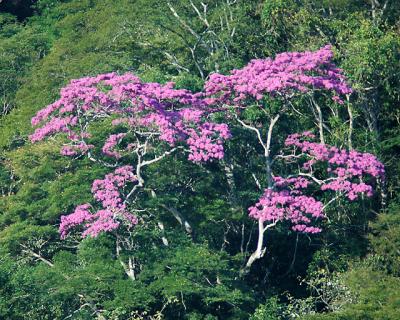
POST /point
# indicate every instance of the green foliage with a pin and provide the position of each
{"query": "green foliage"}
(375, 297)
(20, 49)
(268, 311)
(385, 241)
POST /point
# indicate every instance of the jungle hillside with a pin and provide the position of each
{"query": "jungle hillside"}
(199, 159)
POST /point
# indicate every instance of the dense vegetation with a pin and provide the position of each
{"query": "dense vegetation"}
(195, 235)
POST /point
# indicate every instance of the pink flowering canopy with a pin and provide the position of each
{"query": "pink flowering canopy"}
(289, 72)
(160, 110)
(348, 172)
(288, 205)
(322, 167)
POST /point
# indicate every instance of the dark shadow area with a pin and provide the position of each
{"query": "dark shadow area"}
(20, 8)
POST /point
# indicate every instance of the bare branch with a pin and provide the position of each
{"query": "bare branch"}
(260, 251)
(202, 17)
(180, 218)
(163, 238)
(268, 226)
(258, 133)
(175, 63)
(166, 153)
(181, 21)
(258, 184)
(268, 150)
(319, 119)
(350, 112)
(36, 255)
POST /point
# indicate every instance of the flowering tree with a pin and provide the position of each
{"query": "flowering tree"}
(152, 121)
(325, 167)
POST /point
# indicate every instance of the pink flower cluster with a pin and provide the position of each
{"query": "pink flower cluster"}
(288, 72)
(176, 115)
(107, 190)
(288, 205)
(55, 125)
(110, 144)
(80, 216)
(295, 182)
(207, 141)
(348, 172)
(77, 148)
(113, 212)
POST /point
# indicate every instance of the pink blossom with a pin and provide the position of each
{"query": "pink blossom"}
(177, 115)
(114, 213)
(288, 72)
(300, 210)
(110, 144)
(348, 172)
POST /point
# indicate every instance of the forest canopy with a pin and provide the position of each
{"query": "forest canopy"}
(188, 159)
